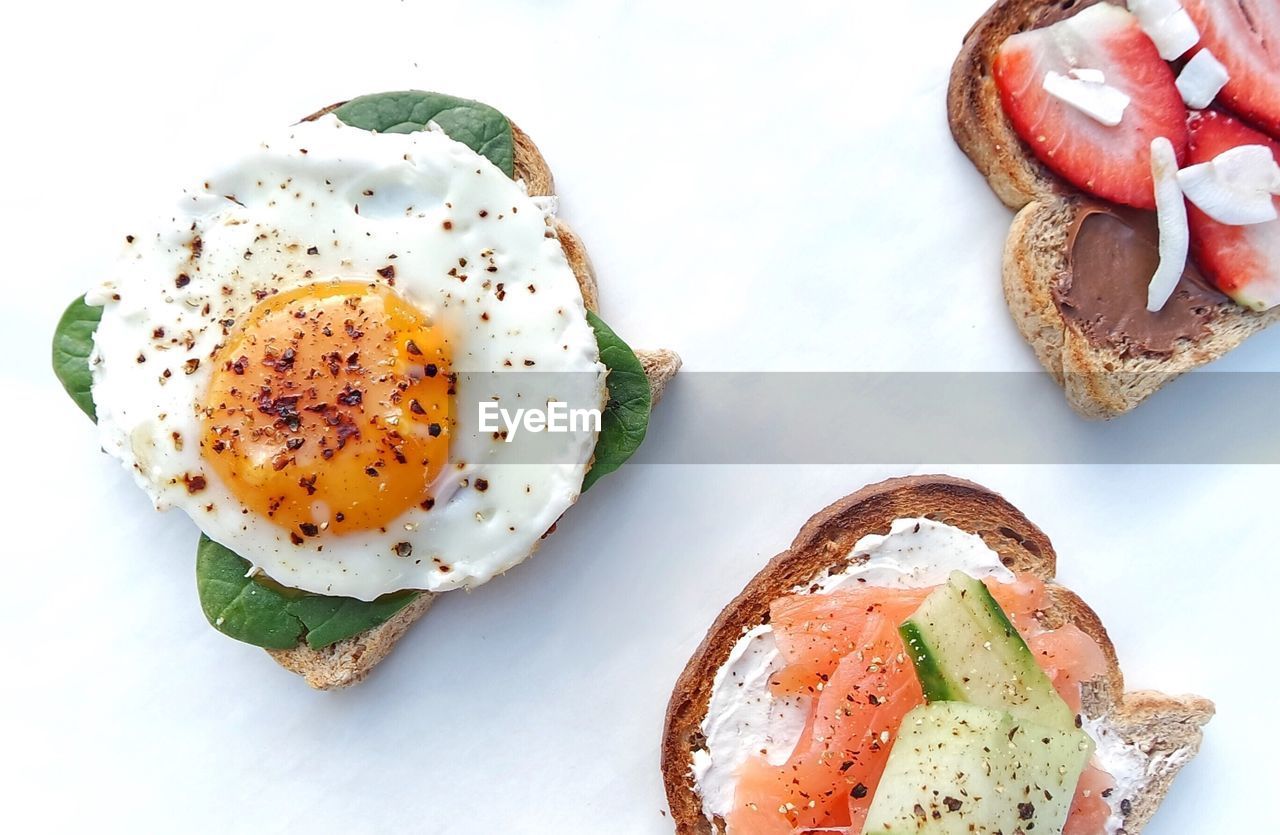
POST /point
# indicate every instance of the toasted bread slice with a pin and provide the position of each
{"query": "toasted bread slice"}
(1101, 381)
(1165, 729)
(348, 662)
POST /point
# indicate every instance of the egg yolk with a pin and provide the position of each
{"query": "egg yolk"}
(329, 409)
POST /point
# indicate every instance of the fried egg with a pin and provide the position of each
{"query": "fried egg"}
(295, 359)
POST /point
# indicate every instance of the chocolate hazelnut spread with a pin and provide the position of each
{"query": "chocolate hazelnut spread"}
(1112, 253)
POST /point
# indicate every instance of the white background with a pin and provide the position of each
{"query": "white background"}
(762, 186)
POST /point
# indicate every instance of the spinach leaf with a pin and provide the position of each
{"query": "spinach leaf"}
(253, 610)
(331, 619)
(476, 125)
(72, 343)
(238, 606)
(626, 416)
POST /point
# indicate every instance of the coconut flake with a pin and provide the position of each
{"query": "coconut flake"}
(1236, 186)
(1202, 79)
(1168, 25)
(1095, 99)
(1171, 215)
(1087, 74)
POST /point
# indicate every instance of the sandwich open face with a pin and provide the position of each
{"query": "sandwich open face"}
(1138, 145)
(330, 357)
(909, 665)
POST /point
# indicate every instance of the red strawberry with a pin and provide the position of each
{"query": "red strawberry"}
(1109, 162)
(1243, 261)
(1243, 35)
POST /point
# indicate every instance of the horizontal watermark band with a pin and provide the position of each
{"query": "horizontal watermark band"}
(1204, 417)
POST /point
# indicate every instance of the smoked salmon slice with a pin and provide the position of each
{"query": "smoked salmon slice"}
(842, 650)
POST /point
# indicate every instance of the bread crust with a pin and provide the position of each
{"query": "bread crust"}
(1101, 382)
(349, 661)
(1158, 723)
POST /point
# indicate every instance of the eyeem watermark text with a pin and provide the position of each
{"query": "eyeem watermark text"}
(557, 417)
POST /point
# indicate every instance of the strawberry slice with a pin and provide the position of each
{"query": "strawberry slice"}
(1245, 36)
(1113, 163)
(1243, 261)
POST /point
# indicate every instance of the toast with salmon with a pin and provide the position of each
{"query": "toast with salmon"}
(1159, 732)
(1084, 345)
(349, 661)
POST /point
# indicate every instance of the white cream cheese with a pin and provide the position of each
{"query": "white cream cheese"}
(1124, 762)
(743, 718)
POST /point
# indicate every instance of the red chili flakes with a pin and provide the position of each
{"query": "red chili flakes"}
(195, 483)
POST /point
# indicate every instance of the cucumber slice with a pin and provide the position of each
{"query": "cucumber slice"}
(962, 769)
(965, 649)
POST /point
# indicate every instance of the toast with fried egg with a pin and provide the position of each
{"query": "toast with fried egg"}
(308, 434)
(349, 661)
(1161, 732)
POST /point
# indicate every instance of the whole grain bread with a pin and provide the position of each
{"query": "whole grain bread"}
(349, 661)
(1100, 381)
(1166, 729)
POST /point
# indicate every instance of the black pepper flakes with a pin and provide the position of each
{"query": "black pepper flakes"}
(403, 549)
(434, 430)
(389, 271)
(309, 529)
(182, 280)
(859, 791)
(482, 484)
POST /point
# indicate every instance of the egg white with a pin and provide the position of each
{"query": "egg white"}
(325, 202)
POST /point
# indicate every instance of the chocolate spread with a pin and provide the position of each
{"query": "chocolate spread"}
(1112, 253)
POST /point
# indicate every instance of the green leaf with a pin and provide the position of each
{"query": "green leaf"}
(476, 125)
(239, 607)
(72, 344)
(626, 417)
(330, 619)
(257, 611)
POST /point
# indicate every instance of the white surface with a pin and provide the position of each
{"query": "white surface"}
(814, 214)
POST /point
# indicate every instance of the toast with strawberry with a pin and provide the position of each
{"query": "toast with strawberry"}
(1058, 104)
